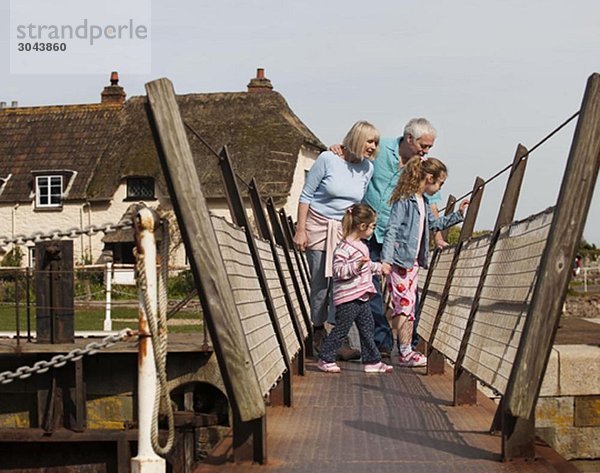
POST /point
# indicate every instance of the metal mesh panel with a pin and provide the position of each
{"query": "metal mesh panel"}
(505, 300)
(292, 291)
(460, 297)
(247, 294)
(434, 293)
(277, 295)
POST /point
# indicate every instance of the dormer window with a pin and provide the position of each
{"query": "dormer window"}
(140, 188)
(51, 188)
(49, 191)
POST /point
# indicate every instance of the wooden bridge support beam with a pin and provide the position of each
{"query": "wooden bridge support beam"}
(518, 437)
(570, 214)
(280, 238)
(220, 313)
(288, 230)
(465, 386)
(305, 269)
(250, 440)
(434, 366)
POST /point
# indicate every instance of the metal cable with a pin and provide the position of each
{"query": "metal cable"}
(537, 145)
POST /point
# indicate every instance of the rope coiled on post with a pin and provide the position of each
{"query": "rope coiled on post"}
(159, 336)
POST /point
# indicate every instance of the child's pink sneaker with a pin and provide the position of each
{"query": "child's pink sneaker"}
(380, 367)
(328, 367)
(413, 359)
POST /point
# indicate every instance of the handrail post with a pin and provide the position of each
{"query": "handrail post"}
(17, 308)
(146, 461)
(28, 300)
(465, 386)
(108, 290)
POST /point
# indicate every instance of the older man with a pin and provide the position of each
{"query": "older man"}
(418, 138)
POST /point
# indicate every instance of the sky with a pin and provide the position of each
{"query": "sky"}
(489, 74)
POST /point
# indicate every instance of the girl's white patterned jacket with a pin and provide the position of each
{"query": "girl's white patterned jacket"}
(350, 282)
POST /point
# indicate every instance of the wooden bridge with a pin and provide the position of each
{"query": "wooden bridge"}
(490, 308)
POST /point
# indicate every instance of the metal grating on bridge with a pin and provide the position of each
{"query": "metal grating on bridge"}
(403, 422)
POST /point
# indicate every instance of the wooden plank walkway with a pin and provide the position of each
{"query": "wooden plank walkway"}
(401, 422)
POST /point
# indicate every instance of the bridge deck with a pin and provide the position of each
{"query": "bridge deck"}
(354, 422)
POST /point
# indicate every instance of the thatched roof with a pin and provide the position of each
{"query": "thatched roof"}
(104, 143)
(70, 138)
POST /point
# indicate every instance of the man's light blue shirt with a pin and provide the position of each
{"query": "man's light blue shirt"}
(386, 172)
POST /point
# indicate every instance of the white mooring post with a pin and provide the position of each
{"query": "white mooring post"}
(147, 461)
(108, 289)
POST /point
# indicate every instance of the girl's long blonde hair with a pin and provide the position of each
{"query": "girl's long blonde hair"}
(355, 216)
(415, 172)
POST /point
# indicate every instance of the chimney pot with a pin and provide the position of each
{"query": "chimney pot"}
(114, 78)
(113, 93)
(260, 84)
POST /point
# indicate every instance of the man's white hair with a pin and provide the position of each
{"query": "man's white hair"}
(417, 127)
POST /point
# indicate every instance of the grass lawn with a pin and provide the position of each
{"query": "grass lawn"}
(93, 319)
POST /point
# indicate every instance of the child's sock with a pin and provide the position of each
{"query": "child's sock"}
(405, 350)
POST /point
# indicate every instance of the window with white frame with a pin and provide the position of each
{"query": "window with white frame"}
(48, 191)
(31, 257)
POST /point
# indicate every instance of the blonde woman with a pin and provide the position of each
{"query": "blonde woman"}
(333, 184)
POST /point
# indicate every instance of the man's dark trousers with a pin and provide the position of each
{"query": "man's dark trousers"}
(383, 331)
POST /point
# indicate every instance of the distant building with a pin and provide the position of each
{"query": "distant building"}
(77, 165)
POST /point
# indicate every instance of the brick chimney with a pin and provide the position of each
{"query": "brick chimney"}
(260, 83)
(113, 93)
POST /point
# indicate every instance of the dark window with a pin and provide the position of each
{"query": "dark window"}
(140, 188)
(122, 252)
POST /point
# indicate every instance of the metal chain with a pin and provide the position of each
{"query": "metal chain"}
(60, 360)
(159, 336)
(71, 233)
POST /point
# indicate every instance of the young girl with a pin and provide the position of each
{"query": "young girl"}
(352, 289)
(406, 244)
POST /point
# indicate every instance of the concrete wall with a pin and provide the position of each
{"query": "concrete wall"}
(568, 410)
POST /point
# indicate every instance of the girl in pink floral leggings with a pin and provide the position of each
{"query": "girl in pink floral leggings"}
(406, 244)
